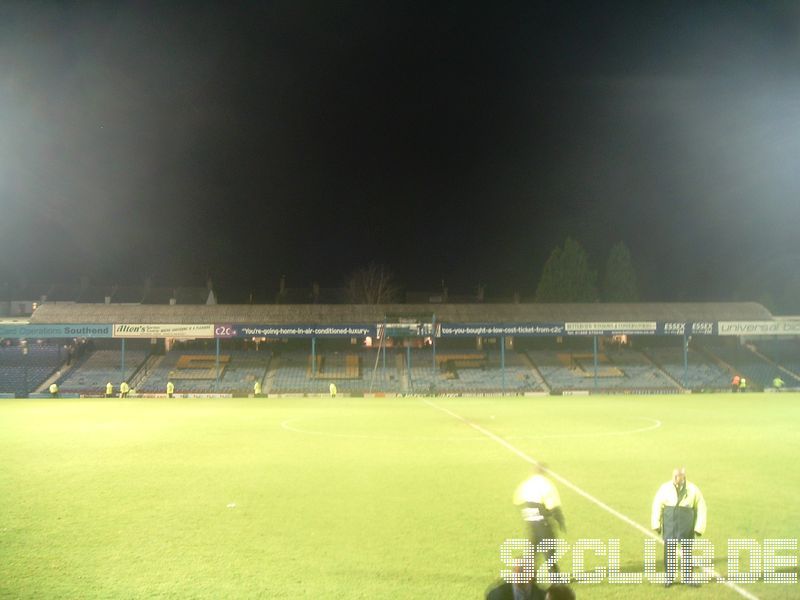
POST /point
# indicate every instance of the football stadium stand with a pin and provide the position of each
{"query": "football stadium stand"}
(352, 372)
(785, 353)
(617, 370)
(302, 349)
(699, 373)
(472, 372)
(757, 368)
(195, 371)
(91, 373)
(22, 373)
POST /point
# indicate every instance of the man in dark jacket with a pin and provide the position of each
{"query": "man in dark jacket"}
(529, 591)
(679, 513)
(540, 505)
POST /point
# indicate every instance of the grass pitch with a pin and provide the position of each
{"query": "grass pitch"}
(367, 498)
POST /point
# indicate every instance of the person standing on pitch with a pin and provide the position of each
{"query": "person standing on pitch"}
(124, 388)
(743, 384)
(540, 505)
(332, 389)
(54, 390)
(170, 389)
(257, 388)
(109, 390)
(679, 514)
(778, 383)
(735, 383)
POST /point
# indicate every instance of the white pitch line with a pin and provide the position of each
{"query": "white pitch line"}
(567, 483)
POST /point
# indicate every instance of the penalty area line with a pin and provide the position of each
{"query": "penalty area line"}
(568, 484)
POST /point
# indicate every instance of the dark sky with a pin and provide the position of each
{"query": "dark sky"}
(458, 141)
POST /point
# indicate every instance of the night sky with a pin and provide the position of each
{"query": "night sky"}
(452, 141)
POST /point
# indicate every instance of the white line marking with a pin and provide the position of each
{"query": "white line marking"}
(567, 483)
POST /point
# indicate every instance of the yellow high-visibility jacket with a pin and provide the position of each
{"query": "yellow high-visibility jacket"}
(679, 513)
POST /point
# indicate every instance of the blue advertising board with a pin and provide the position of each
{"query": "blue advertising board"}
(687, 328)
(79, 330)
(584, 328)
(611, 328)
(287, 331)
(223, 331)
(499, 329)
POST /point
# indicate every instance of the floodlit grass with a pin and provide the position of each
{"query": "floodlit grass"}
(366, 498)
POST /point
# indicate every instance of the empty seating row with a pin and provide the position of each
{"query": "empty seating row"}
(196, 372)
(291, 373)
(698, 373)
(615, 370)
(758, 370)
(91, 374)
(482, 372)
(785, 353)
(24, 368)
